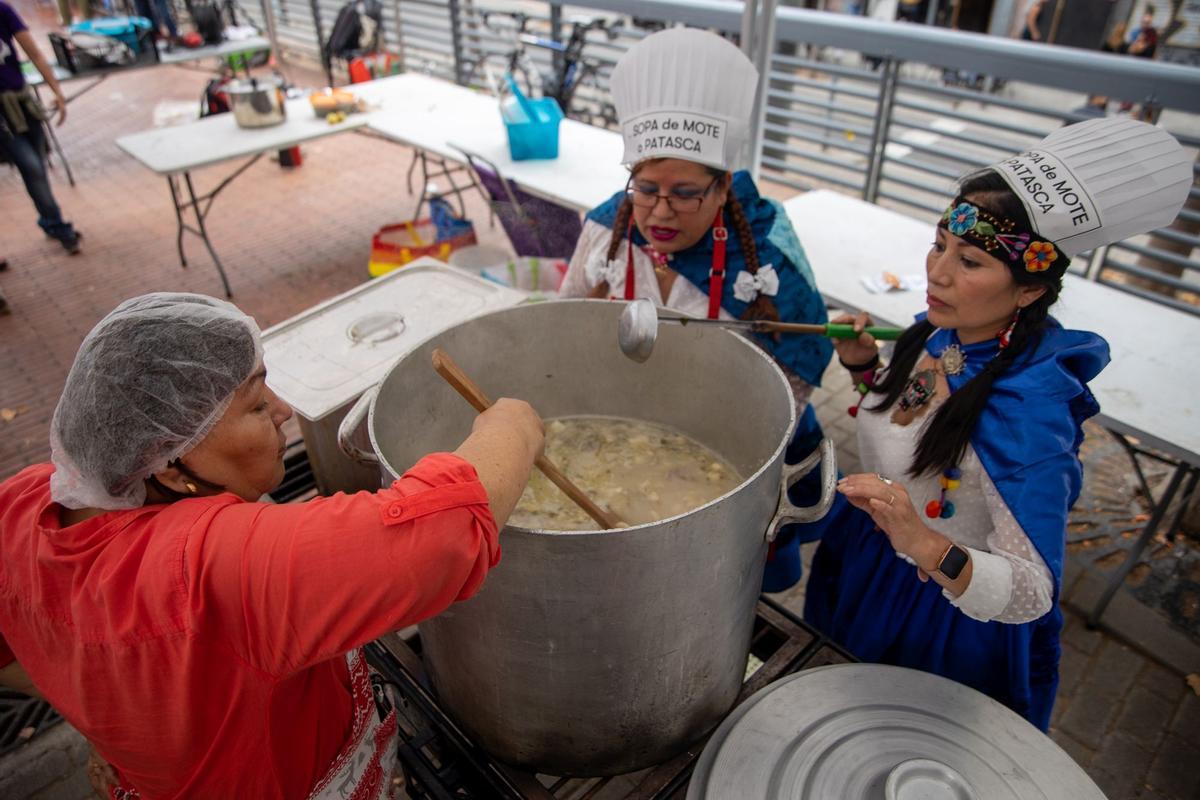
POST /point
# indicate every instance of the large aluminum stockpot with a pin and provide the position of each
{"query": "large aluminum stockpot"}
(600, 652)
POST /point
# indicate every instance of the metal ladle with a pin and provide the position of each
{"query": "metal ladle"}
(638, 328)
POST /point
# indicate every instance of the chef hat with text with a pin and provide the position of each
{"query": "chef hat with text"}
(1082, 187)
(1100, 181)
(685, 93)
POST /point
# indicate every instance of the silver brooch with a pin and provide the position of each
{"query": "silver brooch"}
(952, 360)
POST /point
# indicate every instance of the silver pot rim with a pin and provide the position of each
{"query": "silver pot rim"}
(751, 349)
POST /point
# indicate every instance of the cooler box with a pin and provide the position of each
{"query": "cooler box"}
(323, 359)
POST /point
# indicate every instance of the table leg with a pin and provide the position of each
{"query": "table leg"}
(1159, 511)
(179, 226)
(200, 214)
(200, 206)
(54, 139)
(424, 186)
(417, 154)
(61, 155)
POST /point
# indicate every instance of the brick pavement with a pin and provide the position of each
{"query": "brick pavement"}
(290, 238)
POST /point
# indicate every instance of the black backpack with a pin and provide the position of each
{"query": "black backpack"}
(346, 39)
(207, 19)
(215, 99)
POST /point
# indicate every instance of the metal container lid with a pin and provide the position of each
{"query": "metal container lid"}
(876, 732)
(325, 357)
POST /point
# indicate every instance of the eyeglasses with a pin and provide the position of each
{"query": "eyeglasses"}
(686, 202)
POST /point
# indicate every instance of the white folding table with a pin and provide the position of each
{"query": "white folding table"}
(174, 152)
(1148, 392)
(451, 122)
(34, 78)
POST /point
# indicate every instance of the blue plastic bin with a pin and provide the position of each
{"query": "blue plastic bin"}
(124, 29)
(532, 126)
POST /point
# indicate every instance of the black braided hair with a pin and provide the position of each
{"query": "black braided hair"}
(944, 440)
(761, 307)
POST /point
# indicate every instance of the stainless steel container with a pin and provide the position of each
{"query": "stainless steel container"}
(592, 653)
(321, 360)
(257, 102)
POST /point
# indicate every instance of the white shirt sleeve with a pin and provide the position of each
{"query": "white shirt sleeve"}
(1009, 581)
(593, 243)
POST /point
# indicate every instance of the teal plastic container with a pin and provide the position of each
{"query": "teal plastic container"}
(532, 126)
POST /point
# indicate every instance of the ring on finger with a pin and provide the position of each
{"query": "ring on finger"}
(887, 481)
(891, 499)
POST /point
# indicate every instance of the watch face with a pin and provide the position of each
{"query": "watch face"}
(953, 562)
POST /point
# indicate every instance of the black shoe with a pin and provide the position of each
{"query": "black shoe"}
(73, 243)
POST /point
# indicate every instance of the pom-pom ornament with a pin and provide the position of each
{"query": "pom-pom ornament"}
(942, 508)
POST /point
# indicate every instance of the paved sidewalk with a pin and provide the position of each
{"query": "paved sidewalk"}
(290, 238)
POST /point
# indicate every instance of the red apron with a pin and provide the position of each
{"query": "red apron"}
(364, 768)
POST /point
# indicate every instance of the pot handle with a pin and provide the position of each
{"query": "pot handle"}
(351, 423)
(788, 512)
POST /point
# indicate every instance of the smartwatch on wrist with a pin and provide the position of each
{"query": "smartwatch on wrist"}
(953, 561)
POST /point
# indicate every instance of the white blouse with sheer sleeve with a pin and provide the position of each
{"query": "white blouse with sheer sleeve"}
(589, 265)
(1010, 581)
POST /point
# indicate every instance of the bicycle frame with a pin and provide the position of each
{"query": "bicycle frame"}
(570, 68)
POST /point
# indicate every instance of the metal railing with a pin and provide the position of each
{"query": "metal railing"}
(892, 113)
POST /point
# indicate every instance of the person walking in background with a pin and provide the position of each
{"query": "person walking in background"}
(22, 139)
(1143, 42)
(1097, 104)
(1032, 33)
(1115, 43)
(84, 7)
(159, 13)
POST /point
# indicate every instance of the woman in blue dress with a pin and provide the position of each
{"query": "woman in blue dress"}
(947, 554)
(691, 232)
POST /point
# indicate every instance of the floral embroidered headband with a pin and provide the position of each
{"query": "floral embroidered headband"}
(1003, 238)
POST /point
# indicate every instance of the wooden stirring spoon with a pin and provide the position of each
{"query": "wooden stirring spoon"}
(453, 374)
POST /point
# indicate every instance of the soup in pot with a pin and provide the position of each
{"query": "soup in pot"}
(641, 471)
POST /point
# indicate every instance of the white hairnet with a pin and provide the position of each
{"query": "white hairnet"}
(148, 383)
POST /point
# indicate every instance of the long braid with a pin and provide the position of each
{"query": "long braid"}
(620, 226)
(761, 307)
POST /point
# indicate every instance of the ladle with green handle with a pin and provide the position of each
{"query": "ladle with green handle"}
(638, 328)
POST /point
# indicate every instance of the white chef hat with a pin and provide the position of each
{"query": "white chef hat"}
(685, 93)
(1100, 181)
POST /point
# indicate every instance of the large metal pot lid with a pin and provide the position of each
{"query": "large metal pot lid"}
(875, 732)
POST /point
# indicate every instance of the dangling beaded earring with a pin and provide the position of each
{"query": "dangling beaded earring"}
(942, 508)
(1006, 334)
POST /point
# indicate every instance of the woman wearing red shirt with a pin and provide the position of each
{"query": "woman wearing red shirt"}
(208, 644)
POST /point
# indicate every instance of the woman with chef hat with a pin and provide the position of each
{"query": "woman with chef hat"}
(690, 231)
(971, 433)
